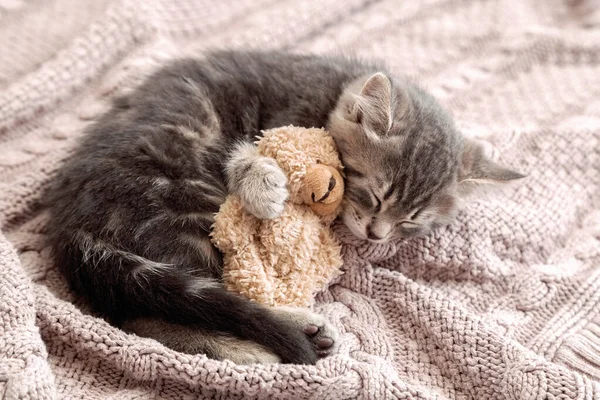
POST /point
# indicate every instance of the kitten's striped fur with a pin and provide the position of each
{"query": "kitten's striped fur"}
(132, 209)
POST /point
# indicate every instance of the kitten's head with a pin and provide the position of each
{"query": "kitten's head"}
(407, 166)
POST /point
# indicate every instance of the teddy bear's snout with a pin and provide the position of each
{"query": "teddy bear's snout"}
(323, 189)
(330, 187)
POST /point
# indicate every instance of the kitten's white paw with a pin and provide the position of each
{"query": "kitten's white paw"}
(263, 189)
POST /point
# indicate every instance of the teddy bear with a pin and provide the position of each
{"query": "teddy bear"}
(286, 260)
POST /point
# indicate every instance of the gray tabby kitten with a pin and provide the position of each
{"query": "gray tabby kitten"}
(132, 209)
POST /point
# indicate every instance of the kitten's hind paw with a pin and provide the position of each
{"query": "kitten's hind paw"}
(320, 332)
(323, 336)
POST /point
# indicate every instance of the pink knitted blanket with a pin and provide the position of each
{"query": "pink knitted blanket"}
(503, 304)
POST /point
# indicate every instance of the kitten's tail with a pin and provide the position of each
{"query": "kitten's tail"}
(122, 288)
(202, 303)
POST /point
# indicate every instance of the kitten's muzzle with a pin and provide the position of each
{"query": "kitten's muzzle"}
(372, 235)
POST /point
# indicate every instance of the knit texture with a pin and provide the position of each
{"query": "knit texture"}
(504, 304)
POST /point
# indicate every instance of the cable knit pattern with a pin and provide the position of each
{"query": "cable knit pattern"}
(503, 304)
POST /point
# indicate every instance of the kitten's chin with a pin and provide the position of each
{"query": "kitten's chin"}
(379, 241)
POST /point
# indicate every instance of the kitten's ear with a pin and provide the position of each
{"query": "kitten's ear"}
(374, 104)
(477, 169)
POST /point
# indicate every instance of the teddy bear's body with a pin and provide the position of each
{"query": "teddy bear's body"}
(286, 260)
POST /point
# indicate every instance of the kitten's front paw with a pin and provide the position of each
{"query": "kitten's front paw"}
(263, 188)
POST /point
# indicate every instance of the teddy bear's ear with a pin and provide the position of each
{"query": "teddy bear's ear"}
(374, 104)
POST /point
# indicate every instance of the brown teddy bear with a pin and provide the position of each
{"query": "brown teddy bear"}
(286, 260)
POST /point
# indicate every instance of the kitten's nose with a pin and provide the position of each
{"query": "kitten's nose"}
(371, 235)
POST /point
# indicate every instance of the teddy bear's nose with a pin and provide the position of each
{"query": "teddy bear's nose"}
(330, 187)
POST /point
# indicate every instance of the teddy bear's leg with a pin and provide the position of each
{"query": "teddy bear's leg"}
(322, 334)
(193, 341)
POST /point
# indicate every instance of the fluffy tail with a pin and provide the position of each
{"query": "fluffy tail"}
(122, 287)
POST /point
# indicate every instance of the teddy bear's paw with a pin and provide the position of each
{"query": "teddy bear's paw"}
(263, 189)
(321, 333)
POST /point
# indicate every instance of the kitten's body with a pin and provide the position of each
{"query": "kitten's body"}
(131, 211)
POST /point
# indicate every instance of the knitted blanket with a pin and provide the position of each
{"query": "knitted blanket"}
(503, 304)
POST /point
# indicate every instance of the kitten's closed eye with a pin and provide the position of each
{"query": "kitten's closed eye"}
(408, 224)
(391, 190)
(408, 231)
(377, 204)
(410, 221)
(361, 197)
(415, 213)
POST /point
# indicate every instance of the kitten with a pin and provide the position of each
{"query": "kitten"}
(132, 209)
(407, 166)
